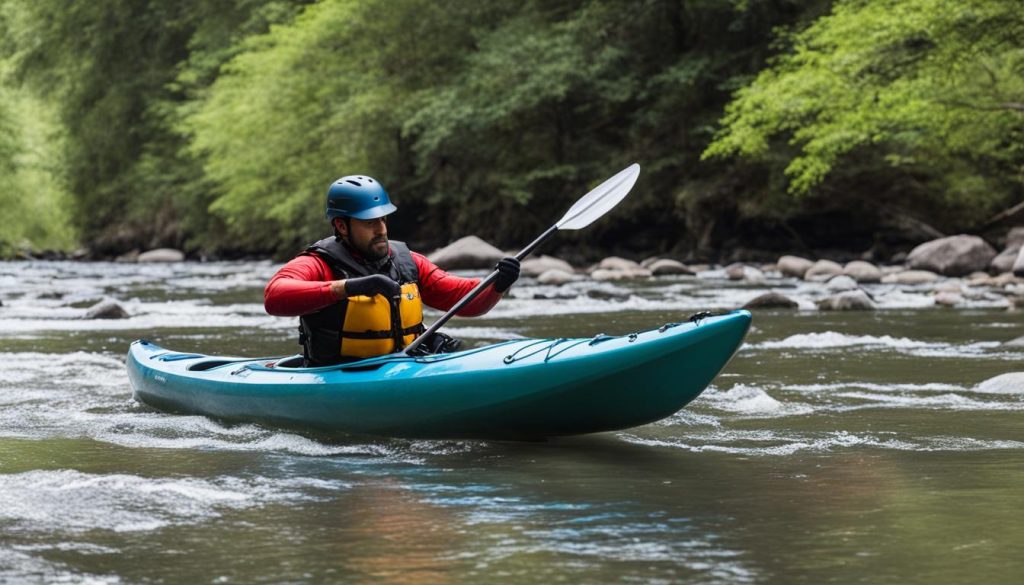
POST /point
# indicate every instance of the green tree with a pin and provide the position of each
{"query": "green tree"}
(934, 89)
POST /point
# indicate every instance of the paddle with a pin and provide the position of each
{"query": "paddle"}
(590, 207)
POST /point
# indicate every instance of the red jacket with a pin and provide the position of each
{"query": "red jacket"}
(302, 286)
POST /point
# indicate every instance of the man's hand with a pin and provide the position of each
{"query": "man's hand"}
(376, 284)
(508, 273)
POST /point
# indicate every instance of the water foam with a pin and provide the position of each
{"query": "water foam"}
(833, 339)
(751, 401)
(73, 502)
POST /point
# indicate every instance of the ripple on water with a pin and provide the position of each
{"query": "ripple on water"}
(72, 502)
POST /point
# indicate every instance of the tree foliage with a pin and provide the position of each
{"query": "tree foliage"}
(216, 125)
(934, 87)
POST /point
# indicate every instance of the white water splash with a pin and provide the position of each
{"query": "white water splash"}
(74, 502)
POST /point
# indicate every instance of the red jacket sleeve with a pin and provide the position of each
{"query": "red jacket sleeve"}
(300, 287)
(441, 290)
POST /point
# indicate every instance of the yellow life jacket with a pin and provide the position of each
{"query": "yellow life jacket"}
(371, 327)
(363, 326)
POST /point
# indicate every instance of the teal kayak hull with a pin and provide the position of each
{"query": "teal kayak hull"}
(520, 389)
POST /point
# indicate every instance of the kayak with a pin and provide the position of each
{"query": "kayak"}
(520, 389)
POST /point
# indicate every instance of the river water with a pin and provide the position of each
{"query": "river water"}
(835, 447)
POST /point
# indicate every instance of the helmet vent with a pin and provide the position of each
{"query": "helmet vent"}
(353, 182)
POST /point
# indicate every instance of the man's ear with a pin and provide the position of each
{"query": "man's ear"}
(340, 227)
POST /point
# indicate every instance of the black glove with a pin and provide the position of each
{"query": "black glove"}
(508, 273)
(377, 284)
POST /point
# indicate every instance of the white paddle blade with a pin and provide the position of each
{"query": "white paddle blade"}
(601, 200)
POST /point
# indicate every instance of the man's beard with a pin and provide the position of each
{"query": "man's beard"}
(374, 255)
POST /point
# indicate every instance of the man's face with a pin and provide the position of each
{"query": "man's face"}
(369, 237)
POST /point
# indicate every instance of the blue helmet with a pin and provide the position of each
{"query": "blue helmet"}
(358, 196)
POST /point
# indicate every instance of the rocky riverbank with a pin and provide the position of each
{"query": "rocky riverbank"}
(954, 271)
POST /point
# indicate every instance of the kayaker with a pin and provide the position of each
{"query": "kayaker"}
(358, 294)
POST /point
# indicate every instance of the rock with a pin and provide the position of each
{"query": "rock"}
(541, 264)
(616, 263)
(910, 277)
(952, 256)
(51, 295)
(735, 271)
(1, 303)
(887, 270)
(107, 309)
(977, 277)
(608, 295)
(822, 270)
(841, 283)
(753, 275)
(1018, 264)
(468, 252)
(646, 262)
(950, 286)
(1019, 342)
(666, 266)
(698, 268)
(794, 266)
(948, 298)
(604, 275)
(856, 300)
(615, 268)
(863, 271)
(1004, 261)
(898, 258)
(161, 255)
(1015, 237)
(1012, 383)
(771, 301)
(132, 256)
(556, 276)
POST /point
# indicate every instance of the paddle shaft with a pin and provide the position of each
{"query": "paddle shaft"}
(477, 290)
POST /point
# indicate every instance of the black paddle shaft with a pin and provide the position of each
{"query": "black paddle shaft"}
(477, 290)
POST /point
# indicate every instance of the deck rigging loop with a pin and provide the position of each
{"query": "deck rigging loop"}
(539, 346)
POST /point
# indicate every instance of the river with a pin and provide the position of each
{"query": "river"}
(835, 447)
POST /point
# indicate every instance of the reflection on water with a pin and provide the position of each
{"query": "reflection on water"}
(835, 447)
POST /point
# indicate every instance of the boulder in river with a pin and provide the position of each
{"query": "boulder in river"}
(1018, 264)
(1012, 383)
(735, 271)
(466, 253)
(794, 266)
(161, 255)
(771, 300)
(911, 277)
(1019, 342)
(864, 272)
(556, 276)
(948, 298)
(841, 283)
(1004, 261)
(616, 263)
(822, 270)
(666, 266)
(127, 257)
(854, 300)
(952, 256)
(541, 264)
(107, 309)
(606, 274)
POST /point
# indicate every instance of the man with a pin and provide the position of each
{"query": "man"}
(359, 295)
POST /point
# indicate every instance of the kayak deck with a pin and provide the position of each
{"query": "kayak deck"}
(531, 388)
